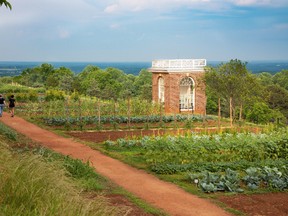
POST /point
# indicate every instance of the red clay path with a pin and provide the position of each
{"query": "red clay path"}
(160, 194)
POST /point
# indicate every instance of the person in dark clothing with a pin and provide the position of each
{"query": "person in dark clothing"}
(12, 105)
(2, 104)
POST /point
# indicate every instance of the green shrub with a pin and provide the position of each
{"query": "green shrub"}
(52, 95)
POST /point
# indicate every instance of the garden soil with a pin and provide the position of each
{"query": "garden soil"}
(160, 194)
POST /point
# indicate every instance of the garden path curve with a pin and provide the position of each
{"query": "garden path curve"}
(160, 194)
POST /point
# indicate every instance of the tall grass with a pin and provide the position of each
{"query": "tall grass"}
(29, 186)
(7, 132)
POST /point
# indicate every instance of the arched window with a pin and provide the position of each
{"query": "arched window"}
(161, 95)
(187, 94)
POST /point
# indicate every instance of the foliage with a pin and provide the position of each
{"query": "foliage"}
(110, 83)
(60, 121)
(9, 133)
(52, 95)
(274, 178)
(281, 79)
(83, 172)
(218, 162)
(6, 3)
(260, 113)
(232, 83)
(211, 152)
(227, 81)
(13, 88)
(143, 85)
(278, 99)
(253, 177)
(230, 181)
(209, 181)
(29, 186)
(212, 182)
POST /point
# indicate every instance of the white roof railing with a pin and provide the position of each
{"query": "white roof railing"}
(179, 64)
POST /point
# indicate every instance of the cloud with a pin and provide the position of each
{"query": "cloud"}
(111, 8)
(118, 6)
(251, 2)
(159, 5)
(272, 3)
(31, 11)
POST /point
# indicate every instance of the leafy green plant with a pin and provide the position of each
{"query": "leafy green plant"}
(230, 181)
(253, 177)
(209, 182)
(274, 178)
(54, 95)
(189, 123)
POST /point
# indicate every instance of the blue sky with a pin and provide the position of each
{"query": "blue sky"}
(143, 30)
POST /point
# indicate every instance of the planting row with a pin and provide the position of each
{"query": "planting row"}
(61, 121)
(231, 181)
(218, 162)
(90, 107)
(193, 148)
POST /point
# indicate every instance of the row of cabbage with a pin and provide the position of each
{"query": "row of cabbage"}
(60, 121)
(213, 158)
(254, 177)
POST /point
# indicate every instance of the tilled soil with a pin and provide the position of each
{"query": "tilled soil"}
(272, 204)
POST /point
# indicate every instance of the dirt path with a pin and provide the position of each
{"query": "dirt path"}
(160, 194)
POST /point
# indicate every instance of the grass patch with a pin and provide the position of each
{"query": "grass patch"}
(7, 132)
(31, 186)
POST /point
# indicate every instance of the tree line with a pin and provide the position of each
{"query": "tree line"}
(109, 83)
(232, 91)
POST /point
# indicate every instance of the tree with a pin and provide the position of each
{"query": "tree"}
(281, 78)
(261, 113)
(58, 75)
(66, 82)
(143, 84)
(278, 99)
(214, 87)
(6, 3)
(250, 92)
(87, 76)
(232, 83)
(36, 76)
(265, 78)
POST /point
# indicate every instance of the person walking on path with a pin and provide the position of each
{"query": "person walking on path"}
(2, 104)
(12, 105)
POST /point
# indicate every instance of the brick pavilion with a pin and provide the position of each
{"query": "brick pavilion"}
(178, 84)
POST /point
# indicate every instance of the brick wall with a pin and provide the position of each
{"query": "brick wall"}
(172, 90)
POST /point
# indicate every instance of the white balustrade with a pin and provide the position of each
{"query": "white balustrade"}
(179, 64)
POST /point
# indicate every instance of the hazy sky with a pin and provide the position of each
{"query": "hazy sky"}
(143, 30)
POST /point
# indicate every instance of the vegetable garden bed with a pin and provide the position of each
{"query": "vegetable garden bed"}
(271, 150)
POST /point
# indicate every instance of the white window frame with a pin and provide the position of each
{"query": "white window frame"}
(187, 101)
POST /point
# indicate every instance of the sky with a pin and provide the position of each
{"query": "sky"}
(143, 30)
